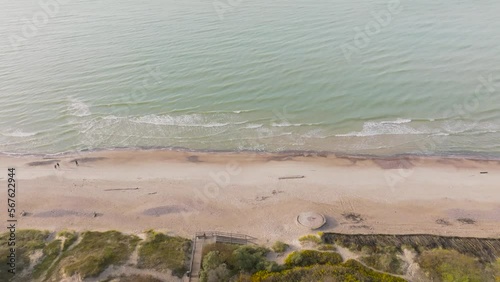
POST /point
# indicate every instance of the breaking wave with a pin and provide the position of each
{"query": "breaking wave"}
(19, 133)
(194, 120)
(430, 127)
(373, 128)
(79, 109)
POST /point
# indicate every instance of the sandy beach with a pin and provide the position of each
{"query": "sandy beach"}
(186, 192)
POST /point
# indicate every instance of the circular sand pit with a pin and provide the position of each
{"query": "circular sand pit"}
(311, 220)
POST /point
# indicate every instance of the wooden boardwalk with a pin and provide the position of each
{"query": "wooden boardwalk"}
(203, 238)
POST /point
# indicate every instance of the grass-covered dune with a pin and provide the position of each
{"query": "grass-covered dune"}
(45, 256)
(162, 252)
(154, 256)
(425, 257)
(485, 249)
(27, 243)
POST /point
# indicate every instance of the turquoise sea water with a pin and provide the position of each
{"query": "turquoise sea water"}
(357, 77)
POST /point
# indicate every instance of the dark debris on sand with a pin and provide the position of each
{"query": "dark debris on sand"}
(353, 217)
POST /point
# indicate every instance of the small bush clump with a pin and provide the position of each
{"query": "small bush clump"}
(311, 257)
(327, 247)
(387, 262)
(310, 239)
(220, 264)
(349, 271)
(450, 265)
(279, 247)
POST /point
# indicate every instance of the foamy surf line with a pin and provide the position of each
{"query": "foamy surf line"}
(283, 154)
(431, 127)
(18, 133)
(233, 135)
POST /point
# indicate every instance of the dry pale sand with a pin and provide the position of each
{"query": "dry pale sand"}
(185, 192)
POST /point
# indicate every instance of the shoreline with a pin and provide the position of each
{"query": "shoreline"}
(472, 156)
(184, 192)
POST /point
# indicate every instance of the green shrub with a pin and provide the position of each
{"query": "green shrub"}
(496, 270)
(218, 274)
(272, 266)
(222, 261)
(133, 278)
(250, 259)
(279, 247)
(350, 271)
(327, 247)
(311, 257)
(225, 251)
(211, 260)
(387, 262)
(367, 272)
(308, 239)
(450, 265)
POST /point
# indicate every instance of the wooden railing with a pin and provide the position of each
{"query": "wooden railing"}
(224, 234)
(221, 237)
(193, 247)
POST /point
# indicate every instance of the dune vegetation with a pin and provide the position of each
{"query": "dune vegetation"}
(162, 252)
(439, 258)
(46, 256)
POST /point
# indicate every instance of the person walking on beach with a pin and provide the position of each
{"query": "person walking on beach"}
(76, 162)
(58, 165)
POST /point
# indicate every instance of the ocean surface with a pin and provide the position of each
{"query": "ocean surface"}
(356, 77)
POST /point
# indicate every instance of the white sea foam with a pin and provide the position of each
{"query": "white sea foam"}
(19, 133)
(252, 126)
(242, 111)
(241, 122)
(373, 128)
(287, 124)
(112, 117)
(78, 108)
(397, 121)
(441, 134)
(194, 120)
(403, 126)
(284, 124)
(316, 133)
(477, 128)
